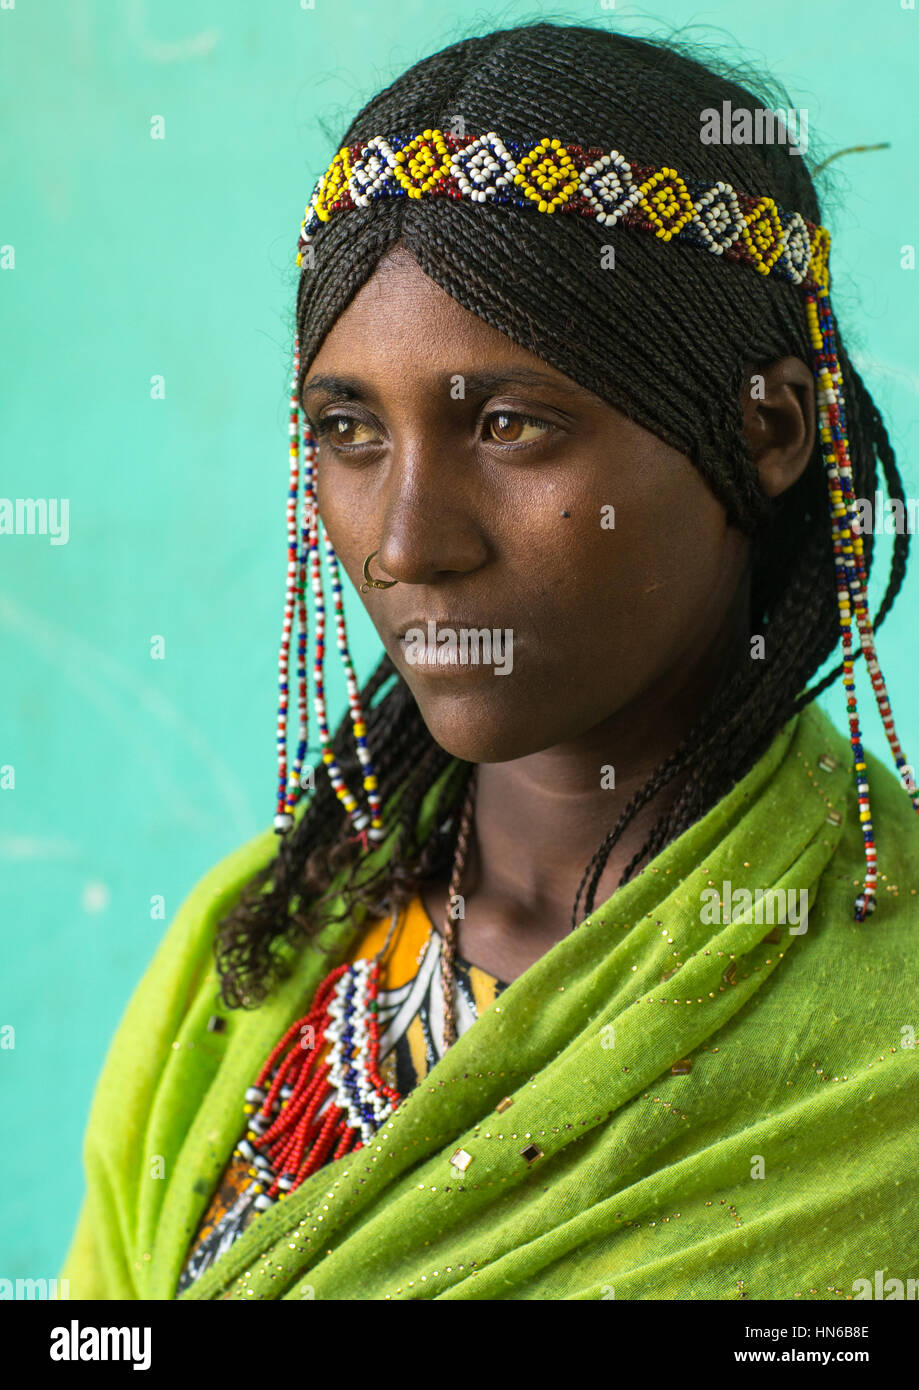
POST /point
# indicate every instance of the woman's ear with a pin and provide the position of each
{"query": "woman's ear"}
(779, 421)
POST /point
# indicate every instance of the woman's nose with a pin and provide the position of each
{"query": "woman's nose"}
(432, 519)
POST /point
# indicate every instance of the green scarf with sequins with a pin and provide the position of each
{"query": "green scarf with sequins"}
(703, 1104)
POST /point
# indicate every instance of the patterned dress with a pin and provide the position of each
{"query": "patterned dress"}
(411, 1042)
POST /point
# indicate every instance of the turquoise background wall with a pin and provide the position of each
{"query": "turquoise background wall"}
(136, 258)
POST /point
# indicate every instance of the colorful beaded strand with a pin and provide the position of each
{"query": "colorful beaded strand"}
(373, 823)
(836, 409)
(851, 579)
(295, 788)
(368, 824)
(843, 559)
(283, 817)
(359, 818)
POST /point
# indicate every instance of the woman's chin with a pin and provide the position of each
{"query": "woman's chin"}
(478, 732)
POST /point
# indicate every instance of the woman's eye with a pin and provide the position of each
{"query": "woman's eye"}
(346, 429)
(503, 427)
(507, 427)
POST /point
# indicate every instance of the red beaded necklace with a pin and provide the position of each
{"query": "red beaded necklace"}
(303, 1111)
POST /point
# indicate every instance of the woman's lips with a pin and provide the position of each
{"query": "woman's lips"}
(430, 660)
(454, 648)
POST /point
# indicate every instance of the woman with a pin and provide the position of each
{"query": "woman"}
(585, 970)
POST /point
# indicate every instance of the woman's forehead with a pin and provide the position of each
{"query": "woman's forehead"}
(399, 312)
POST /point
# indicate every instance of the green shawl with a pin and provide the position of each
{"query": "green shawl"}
(778, 1161)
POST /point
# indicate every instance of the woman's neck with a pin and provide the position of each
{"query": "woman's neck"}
(540, 819)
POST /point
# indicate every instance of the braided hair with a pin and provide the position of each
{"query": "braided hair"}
(535, 279)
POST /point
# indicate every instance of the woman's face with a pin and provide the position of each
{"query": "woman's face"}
(503, 496)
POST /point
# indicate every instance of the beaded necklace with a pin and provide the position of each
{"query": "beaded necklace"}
(302, 1112)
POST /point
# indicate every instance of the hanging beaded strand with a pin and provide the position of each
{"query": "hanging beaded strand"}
(367, 823)
(371, 821)
(851, 580)
(843, 538)
(837, 418)
(289, 787)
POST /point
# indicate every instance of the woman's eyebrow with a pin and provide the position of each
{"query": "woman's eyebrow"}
(348, 386)
(352, 388)
(519, 376)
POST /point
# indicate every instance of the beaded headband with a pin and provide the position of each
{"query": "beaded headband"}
(551, 176)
